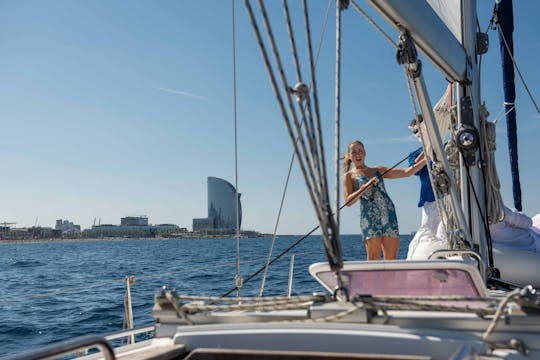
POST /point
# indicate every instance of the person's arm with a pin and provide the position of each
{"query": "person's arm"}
(420, 157)
(401, 173)
(351, 195)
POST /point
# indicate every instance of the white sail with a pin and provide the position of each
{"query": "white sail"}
(435, 28)
(449, 12)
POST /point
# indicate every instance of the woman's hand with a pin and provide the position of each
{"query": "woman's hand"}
(351, 195)
(372, 182)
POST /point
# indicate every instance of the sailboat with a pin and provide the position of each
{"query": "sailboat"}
(452, 306)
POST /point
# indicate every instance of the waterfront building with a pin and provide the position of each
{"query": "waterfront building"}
(221, 207)
(131, 227)
(134, 221)
(203, 223)
(67, 228)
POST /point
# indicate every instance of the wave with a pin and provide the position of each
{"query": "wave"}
(26, 263)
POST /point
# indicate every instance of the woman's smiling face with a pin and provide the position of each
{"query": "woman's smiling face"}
(357, 154)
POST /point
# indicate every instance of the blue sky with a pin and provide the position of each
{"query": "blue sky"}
(115, 108)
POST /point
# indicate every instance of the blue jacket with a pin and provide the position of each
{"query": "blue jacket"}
(426, 191)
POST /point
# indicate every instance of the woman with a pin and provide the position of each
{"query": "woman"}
(378, 219)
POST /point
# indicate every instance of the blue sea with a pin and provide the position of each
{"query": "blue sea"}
(53, 291)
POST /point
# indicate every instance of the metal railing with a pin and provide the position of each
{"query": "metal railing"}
(67, 347)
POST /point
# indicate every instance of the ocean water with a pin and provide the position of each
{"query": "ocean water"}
(55, 291)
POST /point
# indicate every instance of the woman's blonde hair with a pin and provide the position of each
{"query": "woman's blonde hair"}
(346, 158)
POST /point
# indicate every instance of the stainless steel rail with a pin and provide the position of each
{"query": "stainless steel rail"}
(129, 332)
(68, 346)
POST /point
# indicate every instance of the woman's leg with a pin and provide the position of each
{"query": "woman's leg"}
(390, 247)
(373, 248)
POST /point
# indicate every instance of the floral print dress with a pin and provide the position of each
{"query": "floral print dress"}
(377, 212)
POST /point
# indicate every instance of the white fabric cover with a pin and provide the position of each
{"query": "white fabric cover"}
(536, 224)
(430, 216)
(516, 232)
(423, 244)
(516, 218)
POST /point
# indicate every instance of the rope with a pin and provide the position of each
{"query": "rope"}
(250, 299)
(337, 124)
(296, 63)
(411, 93)
(383, 303)
(273, 81)
(517, 68)
(263, 282)
(241, 304)
(316, 187)
(313, 80)
(307, 235)
(499, 312)
(503, 107)
(494, 201)
(482, 217)
(372, 22)
(238, 276)
(323, 30)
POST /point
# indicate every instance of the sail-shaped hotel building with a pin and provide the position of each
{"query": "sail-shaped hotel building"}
(221, 207)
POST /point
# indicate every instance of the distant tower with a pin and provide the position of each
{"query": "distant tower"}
(221, 204)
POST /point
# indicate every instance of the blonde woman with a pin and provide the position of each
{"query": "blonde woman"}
(378, 220)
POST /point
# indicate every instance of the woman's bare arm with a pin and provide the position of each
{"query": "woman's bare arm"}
(350, 193)
(401, 173)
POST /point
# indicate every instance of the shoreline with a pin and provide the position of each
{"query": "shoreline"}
(186, 237)
(190, 237)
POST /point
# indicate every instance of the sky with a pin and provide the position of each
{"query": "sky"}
(113, 108)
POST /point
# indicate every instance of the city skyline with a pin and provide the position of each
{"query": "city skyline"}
(129, 117)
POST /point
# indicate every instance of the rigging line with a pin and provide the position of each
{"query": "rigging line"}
(303, 161)
(499, 312)
(290, 165)
(292, 41)
(276, 258)
(309, 130)
(337, 113)
(305, 236)
(310, 173)
(501, 111)
(503, 115)
(279, 98)
(315, 96)
(309, 176)
(323, 30)
(510, 53)
(484, 218)
(411, 93)
(372, 22)
(274, 47)
(330, 231)
(263, 282)
(238, 277)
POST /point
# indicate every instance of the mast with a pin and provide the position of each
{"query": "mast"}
(472, 182)
(454, 52)
(505, 21)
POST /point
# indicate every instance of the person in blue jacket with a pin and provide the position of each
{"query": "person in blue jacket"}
(430, 214)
